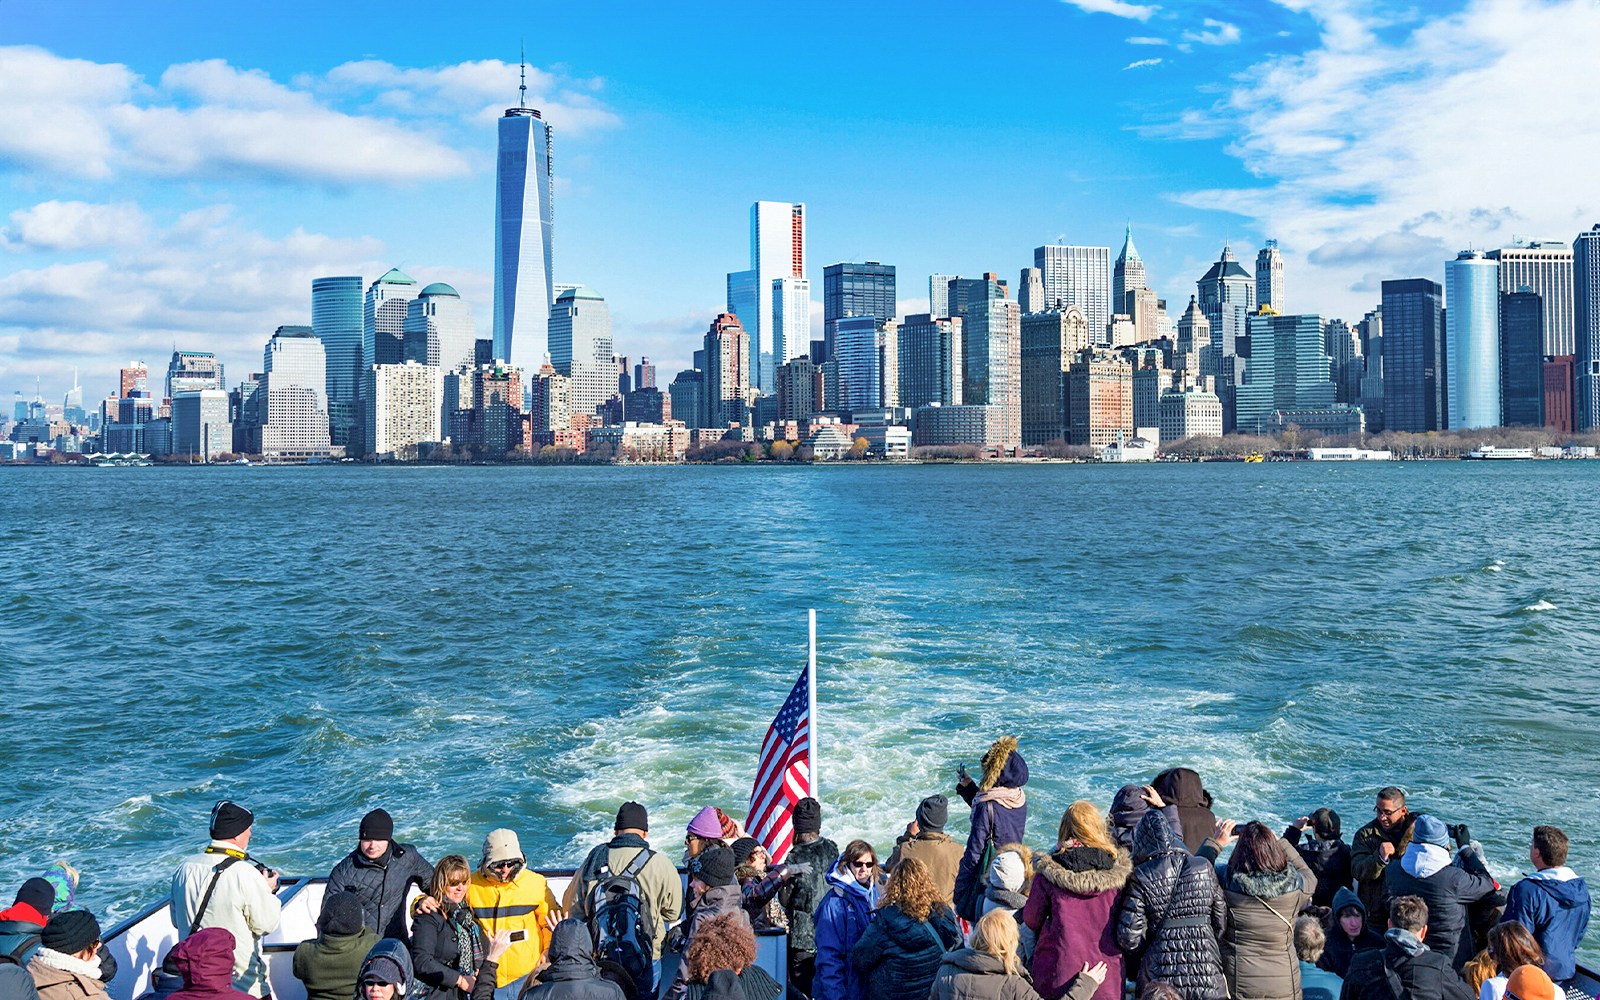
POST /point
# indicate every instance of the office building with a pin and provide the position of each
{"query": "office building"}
(1521, 358)
(404, 409)
(337, 319)
(727, 348)
(524, 222)
(1287, 368)
(1078, 276)
(930, 369)
(865, 289)
(191, 371)
(1472, 336)
(939, 295)
(439, 329)
(1226, 296)
(687, 392)
(991, 353)
(1030, 291)
(1560, 393)
(1345, 364)
(958, 424)
(1194, 331)
(964, 291)
(1189, 412)
(201, 429)
(1099, 398)
(1050, 340)
(1269, 278)
(1127, 275)
(1414, 384)
(581, 347)
(383, 330)
(1545, 268)
(292, 399)
(646, 406)
(791, 319)
(777, 250)
(1586, 327)
(860, 372)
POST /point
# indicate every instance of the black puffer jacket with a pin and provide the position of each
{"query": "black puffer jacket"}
(897, 957)
(1173, 914)
(1423, 974)
(1181, 787)
(572, 974)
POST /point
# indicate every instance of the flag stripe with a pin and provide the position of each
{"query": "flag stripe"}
(783, 773)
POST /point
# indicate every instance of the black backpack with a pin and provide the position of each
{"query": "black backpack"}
(623, 932)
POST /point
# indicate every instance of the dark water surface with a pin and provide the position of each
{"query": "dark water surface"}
(529, 647)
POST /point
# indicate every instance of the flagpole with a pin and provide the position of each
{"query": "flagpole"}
(811, 707)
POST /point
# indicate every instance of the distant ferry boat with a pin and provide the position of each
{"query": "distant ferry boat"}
(1348, 455)
(1489, 452)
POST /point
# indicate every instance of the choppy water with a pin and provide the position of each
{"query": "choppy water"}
(528, 647)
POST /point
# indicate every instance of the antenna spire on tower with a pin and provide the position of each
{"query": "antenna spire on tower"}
(522, 89)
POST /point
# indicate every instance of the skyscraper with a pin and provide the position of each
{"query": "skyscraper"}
(1227, 294)
(727, 349)
(524, 223)
(1544, 267)
(1030, 291)
(581, 347)
(777, 250)
(939, 295)
(1050, 340)
(1194, 331)
(644, 374)
(134, 378)
(1472, 336)
(337, 320)
(855, 349)
(404, 408)
(200, 426)
(439, 330)
(1414, 386)
(791, 319)
(930, 360)
(856, 290)
(291, 399)
(1287, 369)
(991, 353)
(1521, 358)
(383, 320)
(1078, 276)
(1269, 277)
(191, 371)
(1128, 274)
(1586, 327)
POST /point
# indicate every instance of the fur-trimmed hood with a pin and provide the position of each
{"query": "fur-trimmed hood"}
(1003, 766)
(1084, 871)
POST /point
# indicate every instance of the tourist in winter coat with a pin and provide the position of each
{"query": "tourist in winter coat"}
(1315, 983)
(1510, 948)
(1374, 847)
(1182, 787)
(1266, 884)
(759, 884)
(1173, 914)
(505, 896)
(1072, 907)
(1006, 889)
(728, 943)
(842, 917)
(386, 974)
(23, 921)
(1324, 853)
(713, 891)
(1447, 886)
(1129, 806)
(1552, 903)
(900, 950)
(991, 969)
(330, 964)
(66, 965)
(241, 896)
(204, 962)
(999, 809)
(926, 841)
(1422, 973)
(660, 889)
(1347, 933)
(572, 973)
(447, 946)
(815, 854)
(380, 871)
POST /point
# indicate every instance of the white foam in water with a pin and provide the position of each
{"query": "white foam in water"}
(1541, 605)
(1495, 567)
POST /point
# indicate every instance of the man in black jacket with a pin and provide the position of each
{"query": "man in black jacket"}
(1405, 969)
(1449, 886)
(380, 871)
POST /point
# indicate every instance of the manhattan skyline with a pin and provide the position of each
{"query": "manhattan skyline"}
(170, 183)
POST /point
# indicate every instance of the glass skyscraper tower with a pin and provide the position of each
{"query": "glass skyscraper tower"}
(1472, 339)
(524, 266)
(337, 320)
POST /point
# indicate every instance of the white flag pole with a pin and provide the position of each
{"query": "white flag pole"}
(811, 708)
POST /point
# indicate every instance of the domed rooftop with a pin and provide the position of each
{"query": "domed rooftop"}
(440, 288)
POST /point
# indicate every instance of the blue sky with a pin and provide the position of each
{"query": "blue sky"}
(174, 173)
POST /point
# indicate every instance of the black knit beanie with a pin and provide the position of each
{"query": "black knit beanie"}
(377, 825)
(632, 816)
(39, 894)
(807, 816)
(70, 931)
(341, 915)
(230, 819)
(713, 867)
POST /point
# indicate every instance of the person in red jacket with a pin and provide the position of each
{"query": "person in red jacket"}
(205, 961)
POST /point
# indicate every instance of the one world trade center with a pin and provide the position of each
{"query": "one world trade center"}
(523, 222)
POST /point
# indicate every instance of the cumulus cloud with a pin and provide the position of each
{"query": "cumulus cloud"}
(1120, 8)
(1215, 33)
(1387, 147)
(1142, 64)
(73, 226)
(477, 89)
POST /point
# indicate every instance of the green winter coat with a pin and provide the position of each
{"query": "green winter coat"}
(329, 966)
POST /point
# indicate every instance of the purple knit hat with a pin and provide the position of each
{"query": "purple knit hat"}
(706, 824)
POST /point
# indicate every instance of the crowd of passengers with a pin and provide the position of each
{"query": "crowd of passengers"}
(1144, 899)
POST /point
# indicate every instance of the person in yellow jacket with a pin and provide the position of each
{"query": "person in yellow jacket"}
(505, 896)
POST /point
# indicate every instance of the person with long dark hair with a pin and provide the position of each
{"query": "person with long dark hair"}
(1266, 884)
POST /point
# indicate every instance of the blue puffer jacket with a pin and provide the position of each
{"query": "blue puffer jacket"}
(1004, 774)
(841, 918)
(1554, 905)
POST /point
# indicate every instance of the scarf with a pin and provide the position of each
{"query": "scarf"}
(468, 952)
(1005, 798)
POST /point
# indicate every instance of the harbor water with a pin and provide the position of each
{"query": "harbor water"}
(528, 647)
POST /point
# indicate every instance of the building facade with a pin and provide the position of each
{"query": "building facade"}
(292, 400)
(727, 348)
(524, 231)
(791, 319)
(1269, 277)
(1472, 336)
(991, 353)
(201, 427)
(1049, 342)
(1586, 327)
(930, 369)
(777, 250)
(1522, 333)
(191, 371)
(338, 318)
(1414, 384)
(1189, 412)
(1544, 267)
(860, 362)
(1099, 399)
(1287, 369)
(439, 329)
(865, 289)
(1078, 276)
(1127, 275)
(581, 347)
(404, 409)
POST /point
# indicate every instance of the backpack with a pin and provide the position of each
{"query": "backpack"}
(622, 930)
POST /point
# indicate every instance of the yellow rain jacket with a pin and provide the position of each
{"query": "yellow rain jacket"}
(521, 904)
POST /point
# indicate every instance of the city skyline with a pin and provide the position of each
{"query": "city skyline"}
(215, 247)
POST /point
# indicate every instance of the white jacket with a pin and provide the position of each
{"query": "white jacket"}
(242, 904)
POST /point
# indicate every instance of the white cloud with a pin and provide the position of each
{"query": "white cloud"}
(476, 89)
(1215, 33)
(1142, 64)
(1146, 40)
(72, 226)
(1380, 153)
(1120, 8)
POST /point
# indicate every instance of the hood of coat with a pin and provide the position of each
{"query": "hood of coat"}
(1085, 871)
(391, 959)
(205, 959)
(904, 931)
(1265, 885)
(571, 953)
(1562, 885)
(1127, 807)
(1006, 871)
(1182, 787)
(1403, 941)
(1347, 897)
(72, 965)
(1003, 766)
(840, 876)
(1423, 860)
(977, 962)
(1153, 836)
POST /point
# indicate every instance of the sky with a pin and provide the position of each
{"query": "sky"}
(173, 174)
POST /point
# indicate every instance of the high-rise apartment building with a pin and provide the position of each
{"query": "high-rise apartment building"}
(687, 392)
(292, 399)
(581, 347)
(498, 405)
(991, 353)
(1050, 340)
(939, 295)
(855, 349)
(383, 329)
(337, 318)
(798, 383)
(550, 400)
(1269, 277)
(1127, 275)
(727, 348)
(889, 363)
(191, 371)
(777, 250)
(524, 223)
(791, 319)
(1414, 384)
(200, 425)
(1472, 338)
(930, 360)
(644, 374)
(1521, 358)
(1545, 267)
(404, 408)
(1078, 276)
(865, 289)
(133, 378)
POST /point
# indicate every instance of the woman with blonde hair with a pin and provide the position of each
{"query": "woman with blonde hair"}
(991, 969)
(1073, 905)
(447, 945)
(900, 951)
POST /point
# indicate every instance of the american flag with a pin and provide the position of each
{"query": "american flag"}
(784, 775)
